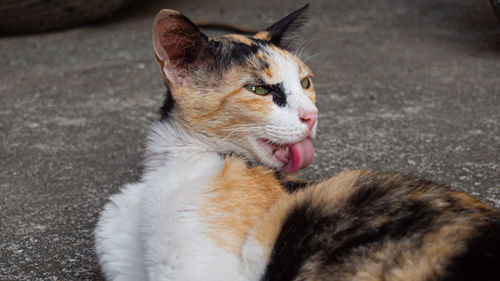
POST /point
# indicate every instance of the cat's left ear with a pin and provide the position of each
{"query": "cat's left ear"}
(181, 48)
(283, 33)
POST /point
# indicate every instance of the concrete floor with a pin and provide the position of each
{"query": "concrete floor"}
(403, 85)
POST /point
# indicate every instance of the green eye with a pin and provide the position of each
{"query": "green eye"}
(305, 83)
(250, 88)
(259, 90)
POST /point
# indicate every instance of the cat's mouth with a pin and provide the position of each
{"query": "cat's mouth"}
(293, 156)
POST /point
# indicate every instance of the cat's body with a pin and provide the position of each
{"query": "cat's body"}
(201, 213)
(177, 221)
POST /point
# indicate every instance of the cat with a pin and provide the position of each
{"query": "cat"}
(201, 212)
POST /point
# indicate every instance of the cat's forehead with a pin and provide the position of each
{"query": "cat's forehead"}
(282, 63)
(258, 55)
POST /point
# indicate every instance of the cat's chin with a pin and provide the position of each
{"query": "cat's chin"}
(288, 157)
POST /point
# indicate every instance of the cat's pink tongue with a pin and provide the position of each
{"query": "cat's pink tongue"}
(302, 154)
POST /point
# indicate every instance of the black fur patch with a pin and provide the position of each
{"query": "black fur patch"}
(230, 53)
(366, 194)
(168, 105)
(279, 95)
(240, 51)
(414, 217)
(290, 185)
(291, 248)
(259, 41)
(481, 260)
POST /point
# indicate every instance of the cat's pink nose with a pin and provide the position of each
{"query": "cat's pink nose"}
(309, 118)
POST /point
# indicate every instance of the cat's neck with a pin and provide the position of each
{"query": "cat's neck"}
(168, 140)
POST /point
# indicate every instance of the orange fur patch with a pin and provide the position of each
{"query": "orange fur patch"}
(312, 95)
(239, 38)
(237, 108)
(240, 197)
(263, 35)
(268, 72)
(222, 102)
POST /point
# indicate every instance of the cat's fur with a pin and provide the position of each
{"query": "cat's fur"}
(200, 212)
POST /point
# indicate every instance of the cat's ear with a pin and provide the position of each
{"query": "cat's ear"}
(180, 47)
(283, 33)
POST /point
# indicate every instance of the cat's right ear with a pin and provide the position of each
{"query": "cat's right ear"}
(283, 33)
(180, 47)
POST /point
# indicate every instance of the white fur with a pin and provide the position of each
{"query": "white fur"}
(117, 236)
(253, 260)
(285, 122)
(151, 230)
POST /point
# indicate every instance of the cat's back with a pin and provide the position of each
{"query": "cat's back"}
(367, 225)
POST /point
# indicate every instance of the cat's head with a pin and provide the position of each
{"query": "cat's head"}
(249, 94)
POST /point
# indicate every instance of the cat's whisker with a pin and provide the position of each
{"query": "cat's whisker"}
(304, 45)
(241, 128)
(298, 51)
(311, 56)
(251, 130)
(237, 130)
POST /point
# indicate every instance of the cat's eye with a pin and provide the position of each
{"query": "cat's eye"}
(259, 90)
(305, 83)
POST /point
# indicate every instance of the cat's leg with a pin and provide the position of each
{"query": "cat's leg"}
(117, 236)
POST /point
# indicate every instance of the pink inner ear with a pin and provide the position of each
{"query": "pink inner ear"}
(178, 43)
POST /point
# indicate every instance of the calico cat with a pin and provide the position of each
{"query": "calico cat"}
(200, 212)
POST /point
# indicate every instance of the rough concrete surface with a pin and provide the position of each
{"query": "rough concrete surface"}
(403, 85)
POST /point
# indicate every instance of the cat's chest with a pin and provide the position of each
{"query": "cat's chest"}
(173, 233)
(203, 209)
